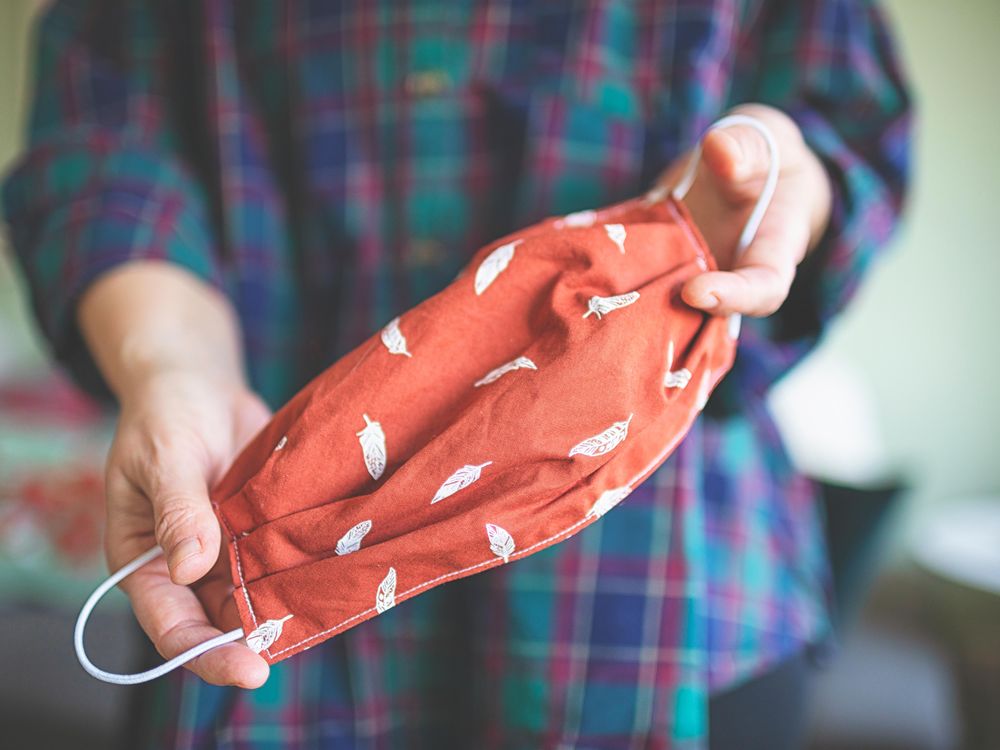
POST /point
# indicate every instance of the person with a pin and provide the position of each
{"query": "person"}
(219, 199)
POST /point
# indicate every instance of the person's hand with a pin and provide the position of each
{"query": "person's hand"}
(168, 347)
(730, 177)
(177, 434)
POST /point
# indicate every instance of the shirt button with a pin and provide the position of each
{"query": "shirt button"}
(425, 253)
(423, 83)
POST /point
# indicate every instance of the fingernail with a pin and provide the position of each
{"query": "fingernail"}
(186, 549)
(709, 301)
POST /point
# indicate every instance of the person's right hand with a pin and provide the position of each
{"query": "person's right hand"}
(168, 346)
(177, 434)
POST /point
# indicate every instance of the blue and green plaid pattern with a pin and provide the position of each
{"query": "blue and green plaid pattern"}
(328, 165)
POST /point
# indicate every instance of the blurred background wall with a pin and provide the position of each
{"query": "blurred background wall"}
(905, 385)
(15, 18)
(926, 331)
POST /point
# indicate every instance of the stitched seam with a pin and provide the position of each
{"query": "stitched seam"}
(410, 591)
(239, 567)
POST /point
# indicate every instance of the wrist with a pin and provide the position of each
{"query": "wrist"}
(146, 319)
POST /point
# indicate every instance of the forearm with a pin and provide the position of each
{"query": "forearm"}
(146, 318)
(167, 344)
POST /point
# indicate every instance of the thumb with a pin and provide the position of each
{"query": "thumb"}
(185, 525)
(738, 155)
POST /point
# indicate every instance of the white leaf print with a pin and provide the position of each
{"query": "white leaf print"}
(493, 265)
(604, 305)
(735, 320)
(385, 597)
(501, 542)
(372, 440)
(578, 219)
(281, 443)
(514, 364)
(266, 634)
(393, 338)
(603, 442)
(459, 480)
(704, 389)
(351, 541)
(616, 233)
(677, 379)
(608, 500)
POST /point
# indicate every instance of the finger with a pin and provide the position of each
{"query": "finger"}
(761, 278)
(185, 525)
(173, 483)
(753, 290)
(738, 156)
(175, 621)
(175, 617)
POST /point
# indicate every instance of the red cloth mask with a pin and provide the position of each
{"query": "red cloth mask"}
(495, 419)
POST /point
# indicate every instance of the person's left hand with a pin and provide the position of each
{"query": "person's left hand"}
(730, 177)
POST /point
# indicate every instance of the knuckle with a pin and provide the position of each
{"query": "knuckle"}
(160, 452)
(116, 486)
(776, 298)
(174, 519)
(769, 307)
(183, 635)
(765, 290)
(142, 455)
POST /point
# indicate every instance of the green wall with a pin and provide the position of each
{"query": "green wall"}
(14, 19)
(926, 329)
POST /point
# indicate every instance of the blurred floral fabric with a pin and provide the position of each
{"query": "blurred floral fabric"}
(53, 440)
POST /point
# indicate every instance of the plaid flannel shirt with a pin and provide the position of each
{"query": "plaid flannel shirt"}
(329, 165)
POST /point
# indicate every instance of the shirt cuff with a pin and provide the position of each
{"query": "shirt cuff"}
(68, 225)
(864, 213)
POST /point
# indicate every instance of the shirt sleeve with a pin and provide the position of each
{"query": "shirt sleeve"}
(102, 181)
(831, 65)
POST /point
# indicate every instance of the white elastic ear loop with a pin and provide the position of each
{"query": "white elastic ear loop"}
(764, 200)
(151, 674)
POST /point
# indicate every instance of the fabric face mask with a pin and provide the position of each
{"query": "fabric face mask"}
(496, 418)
